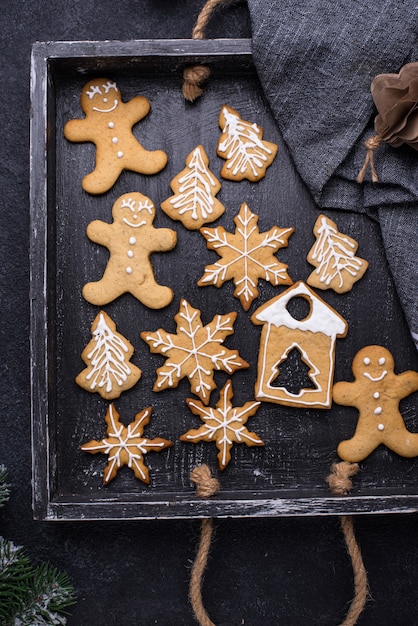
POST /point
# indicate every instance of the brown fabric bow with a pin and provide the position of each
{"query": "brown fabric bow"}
(396, 99)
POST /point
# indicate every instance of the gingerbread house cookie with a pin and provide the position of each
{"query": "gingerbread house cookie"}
(314, 337)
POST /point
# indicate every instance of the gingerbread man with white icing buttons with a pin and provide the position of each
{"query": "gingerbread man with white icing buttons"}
(131, 239)
(108, 124)
(376, 393)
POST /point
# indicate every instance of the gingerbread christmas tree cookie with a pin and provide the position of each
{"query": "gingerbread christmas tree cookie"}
(131, 239)
(107, 356)
(225, 424)
(108, 124)
(242, 146)
(126, 445)
(195, 351)
(376, 392)
(195, 188)
(333, 255)
(246, 256)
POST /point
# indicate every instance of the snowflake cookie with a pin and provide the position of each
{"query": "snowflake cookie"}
(246, 256)
(225, 424)
(333, 255)
(246, 154)
(195, 188)
(107, 357)
(195, 351)
(125, 445)
(108, 124)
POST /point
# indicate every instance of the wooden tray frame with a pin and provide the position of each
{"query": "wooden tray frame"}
(82, 57)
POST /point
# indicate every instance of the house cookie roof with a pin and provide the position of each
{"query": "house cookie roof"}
(321, 319)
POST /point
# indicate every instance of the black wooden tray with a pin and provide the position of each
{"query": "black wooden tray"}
(287, 476)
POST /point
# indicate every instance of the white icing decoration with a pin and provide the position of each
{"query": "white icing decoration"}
(378, 410)
(115, 140)
(112, 108)
(381, 427)
(111, 125)
(109, 85)
(120, 154)
(366, 360)
(242, 145)
(194, 193)
(107, 358)
(375, 379)
(134, 225)
(142, 206)
(335, 254)
(382, 360)
(130, 254)
(376, 395)
(322, 318)
(94, 89)
(129, 270)
(132, 240)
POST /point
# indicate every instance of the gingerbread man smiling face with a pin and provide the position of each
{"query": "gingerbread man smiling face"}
(376, 393)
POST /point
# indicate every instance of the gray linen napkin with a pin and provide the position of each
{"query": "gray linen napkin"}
(316, 60)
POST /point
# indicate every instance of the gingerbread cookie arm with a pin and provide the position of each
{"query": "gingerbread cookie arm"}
(167, 239)
(407, 383)
(78, 130)
(99, 232)
(136, 109)
(346, 394)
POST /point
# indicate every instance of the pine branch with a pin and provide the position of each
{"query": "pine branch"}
(4, 487)
(50, 593)
(15, 574)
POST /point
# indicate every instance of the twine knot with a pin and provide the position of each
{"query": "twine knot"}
(339, 480)
(207, 486)
(371, 144)
(193, 77)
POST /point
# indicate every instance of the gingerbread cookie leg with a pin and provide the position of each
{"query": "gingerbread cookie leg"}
(104, 176)
(358, 447)
(143, 161)
(152, 294)
(402, 442)
(102, 291)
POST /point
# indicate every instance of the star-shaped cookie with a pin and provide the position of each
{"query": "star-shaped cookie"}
(125, 445)
(225, 424)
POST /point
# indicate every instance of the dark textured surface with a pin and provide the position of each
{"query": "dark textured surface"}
(261, 572)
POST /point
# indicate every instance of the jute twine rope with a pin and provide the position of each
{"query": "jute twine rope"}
(194, 76)
(340, 483)
(372, 144)
(206, 487)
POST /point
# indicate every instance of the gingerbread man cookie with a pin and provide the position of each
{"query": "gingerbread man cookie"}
(131, 239)
(376, 393)
(108, 124)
